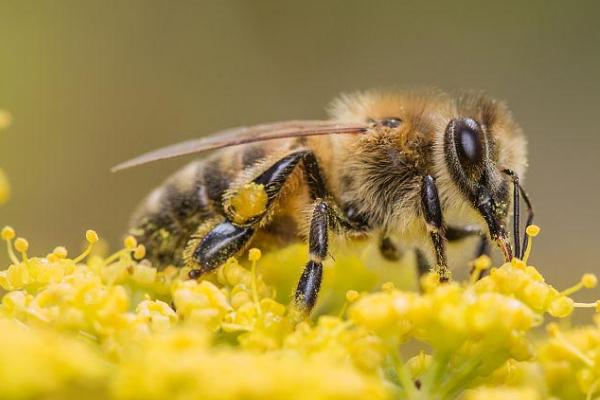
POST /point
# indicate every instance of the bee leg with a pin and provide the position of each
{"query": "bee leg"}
(310, 281)
(432, 212)
(223, 241)
(226, 238)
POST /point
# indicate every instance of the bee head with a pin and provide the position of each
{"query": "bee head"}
(469, 154)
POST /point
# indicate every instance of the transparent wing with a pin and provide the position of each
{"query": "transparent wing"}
(242, 135)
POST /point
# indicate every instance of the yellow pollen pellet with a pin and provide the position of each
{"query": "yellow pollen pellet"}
(130, 242)
(589, 281)
(60, 252)
(21, 245)
(140, 252)
(248, 202)
(352, 296)
(8, 233)
(532, 230)
(91, 236)
(254, 254)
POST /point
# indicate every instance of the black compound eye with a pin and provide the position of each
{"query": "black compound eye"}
(468, 140)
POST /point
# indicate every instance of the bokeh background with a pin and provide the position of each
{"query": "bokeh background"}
(92, 83)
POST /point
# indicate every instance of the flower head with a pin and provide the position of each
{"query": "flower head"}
(143, 331)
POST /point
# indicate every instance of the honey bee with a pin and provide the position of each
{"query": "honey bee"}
(392, 166)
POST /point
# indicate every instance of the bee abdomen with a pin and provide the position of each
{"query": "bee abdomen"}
(172, 213)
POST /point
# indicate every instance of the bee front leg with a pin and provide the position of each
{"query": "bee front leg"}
(310, 281)
(432, 212)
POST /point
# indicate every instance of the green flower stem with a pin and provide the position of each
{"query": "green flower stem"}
(432, 378)
(459, 381)
(401, 371)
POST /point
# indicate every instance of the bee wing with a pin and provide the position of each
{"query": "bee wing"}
(242, 135)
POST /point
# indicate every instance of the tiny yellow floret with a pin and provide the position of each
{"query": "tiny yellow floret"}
(140, 252)
(22, 245)
(561, 307)
(518, 263)
(60, 252)
(589, 281)
(130, 242)
(8, 233)
(254, 254)
(532, 230)
(482, 262)
(352, 296)
(91, 236)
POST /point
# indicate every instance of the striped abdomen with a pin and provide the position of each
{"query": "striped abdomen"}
(171, 214)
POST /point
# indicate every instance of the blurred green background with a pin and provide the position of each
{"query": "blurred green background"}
(92, 83)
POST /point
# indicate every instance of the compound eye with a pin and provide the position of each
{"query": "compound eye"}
(468, 139)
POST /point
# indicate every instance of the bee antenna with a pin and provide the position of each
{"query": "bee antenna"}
(519, 192)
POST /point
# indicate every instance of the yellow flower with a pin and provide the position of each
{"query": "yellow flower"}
(180, 365)
(41, 363)
(116, 327)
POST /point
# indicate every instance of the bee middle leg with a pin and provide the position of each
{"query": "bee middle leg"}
(310, 282)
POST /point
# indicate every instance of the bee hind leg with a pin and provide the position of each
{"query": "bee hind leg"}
(207, 250)
(217, 240)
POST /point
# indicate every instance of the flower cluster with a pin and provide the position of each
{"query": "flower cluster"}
(116, 327)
